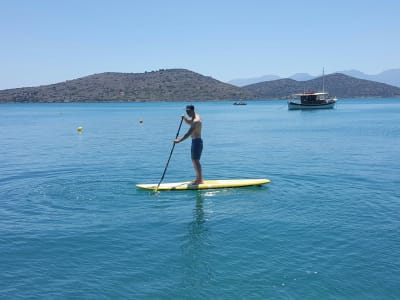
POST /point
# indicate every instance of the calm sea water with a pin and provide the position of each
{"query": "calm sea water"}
(74, 226)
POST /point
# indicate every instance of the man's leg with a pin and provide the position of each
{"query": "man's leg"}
(197, 168)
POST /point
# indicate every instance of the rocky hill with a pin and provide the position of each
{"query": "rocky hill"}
(185, 85)
(339, 85)
(162, 85)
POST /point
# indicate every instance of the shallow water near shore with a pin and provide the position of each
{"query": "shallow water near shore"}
(73, 224)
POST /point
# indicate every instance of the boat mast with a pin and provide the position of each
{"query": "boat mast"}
(323, 79)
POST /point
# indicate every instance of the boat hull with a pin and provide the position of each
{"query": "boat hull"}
(295, 105)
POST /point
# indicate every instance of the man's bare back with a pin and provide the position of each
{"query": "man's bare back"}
(196, 126)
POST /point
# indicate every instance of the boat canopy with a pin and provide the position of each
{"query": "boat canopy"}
(311, 94)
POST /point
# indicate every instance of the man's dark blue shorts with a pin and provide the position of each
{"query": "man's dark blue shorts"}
(197, 148)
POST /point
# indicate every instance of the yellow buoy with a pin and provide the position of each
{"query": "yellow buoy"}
(79, 129)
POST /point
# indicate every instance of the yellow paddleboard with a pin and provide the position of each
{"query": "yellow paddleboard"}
(207, 184)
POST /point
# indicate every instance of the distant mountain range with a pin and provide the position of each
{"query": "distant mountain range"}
(391, 77)
(185, 85)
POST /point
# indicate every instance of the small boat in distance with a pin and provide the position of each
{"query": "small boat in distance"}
(312, 100)
(240, 103)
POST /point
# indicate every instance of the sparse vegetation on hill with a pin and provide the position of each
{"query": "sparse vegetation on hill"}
(185, 85)
(339, 85)
(162, 85)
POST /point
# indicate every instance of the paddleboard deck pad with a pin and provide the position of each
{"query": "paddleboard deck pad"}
(207, 184)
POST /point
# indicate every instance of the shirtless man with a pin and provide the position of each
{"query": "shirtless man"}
(197, 143)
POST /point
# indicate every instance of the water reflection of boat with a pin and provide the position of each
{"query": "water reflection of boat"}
(240, 103)
(312, 100)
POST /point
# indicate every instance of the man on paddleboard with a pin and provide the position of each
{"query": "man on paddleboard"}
(197, 143)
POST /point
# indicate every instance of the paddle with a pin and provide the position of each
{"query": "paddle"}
(169, 158)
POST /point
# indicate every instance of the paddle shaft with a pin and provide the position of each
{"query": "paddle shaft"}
(170, 154)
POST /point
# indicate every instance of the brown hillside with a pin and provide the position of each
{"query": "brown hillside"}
(163, 85)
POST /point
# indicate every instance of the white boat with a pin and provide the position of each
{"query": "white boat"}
(312, 100)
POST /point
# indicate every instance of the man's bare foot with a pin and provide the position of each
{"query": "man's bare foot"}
(197, 182)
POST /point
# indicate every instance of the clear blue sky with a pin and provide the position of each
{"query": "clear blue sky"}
(46, 42)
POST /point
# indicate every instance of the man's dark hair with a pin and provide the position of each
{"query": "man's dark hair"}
(191, 107)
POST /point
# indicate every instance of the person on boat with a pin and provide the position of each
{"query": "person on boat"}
(194, 121)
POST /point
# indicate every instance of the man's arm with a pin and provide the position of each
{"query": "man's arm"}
(187, 134)
(187, 121)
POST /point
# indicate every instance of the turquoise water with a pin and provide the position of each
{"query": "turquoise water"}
(74, 226)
